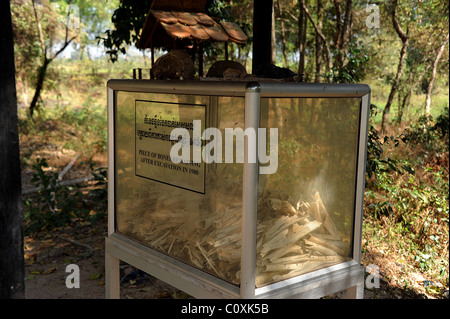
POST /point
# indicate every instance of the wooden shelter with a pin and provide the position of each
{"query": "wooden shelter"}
(175, 24)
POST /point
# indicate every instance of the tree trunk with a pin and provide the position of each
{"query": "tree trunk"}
(46, 60)
(273, 38)
(302, 32)
(338, 28)
(283, 35)
(319, 32)
(404, 108)
(345, 32)
(342, 31)
(12, 284)
(402, 100)
(39, 85)
(433, 76)
(394, 87)
(319, 43)
(404, 37)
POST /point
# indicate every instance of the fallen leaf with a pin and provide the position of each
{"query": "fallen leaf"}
(50, 270)
(29, 277)
(94, 276)
(30, 259)
(433, 289)
(162, 295)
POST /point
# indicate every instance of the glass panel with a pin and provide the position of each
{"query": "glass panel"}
(191, 212)
(305, 209)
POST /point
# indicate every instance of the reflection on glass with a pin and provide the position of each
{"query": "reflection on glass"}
(197, 225)
(305, 210)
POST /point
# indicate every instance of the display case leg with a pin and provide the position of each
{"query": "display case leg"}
(355, 292)
(112, 277)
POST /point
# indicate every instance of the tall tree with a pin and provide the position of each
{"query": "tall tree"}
(302, 32)
(282, 33)
(47, 56)
(128, 20)
(428, 24)
(26, 48)
(404, 38)
(273, 38)
(433, 75)
(12, 283)
(340, 36)
(95, 18)
(318, 32)
(319, 43)
(413, 80)
(343, 30)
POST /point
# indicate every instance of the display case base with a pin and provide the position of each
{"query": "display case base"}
(348, 276)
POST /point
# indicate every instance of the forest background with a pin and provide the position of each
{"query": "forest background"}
(65, 51)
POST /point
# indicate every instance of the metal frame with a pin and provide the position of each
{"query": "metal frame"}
(344, 276)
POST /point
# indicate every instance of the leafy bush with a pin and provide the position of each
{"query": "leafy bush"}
(407, 199)
(354, 70)
(54, 205)
(432, 135)
(377, 161)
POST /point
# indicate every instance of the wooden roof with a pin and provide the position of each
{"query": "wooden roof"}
(163, 27)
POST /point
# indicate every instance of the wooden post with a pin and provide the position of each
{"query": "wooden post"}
(226, 50)
(12, 269)
(355, 292)
(200, 59)
(262, 33)
(153, 62)
(112, 275)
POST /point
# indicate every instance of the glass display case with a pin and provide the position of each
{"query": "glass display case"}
(237, 189)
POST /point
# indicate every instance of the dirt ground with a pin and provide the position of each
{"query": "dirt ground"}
(47, 258)
(49, 252)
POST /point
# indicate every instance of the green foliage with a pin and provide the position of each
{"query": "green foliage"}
(432, 135)
(415, 211)
(128, 20)
(26, 43)
(100, 191)
(354, 70)
(54, 205)
(92, 121)
(413, 204)
(95, 18)
(377, 161)
(57, 206)
(406, 199)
